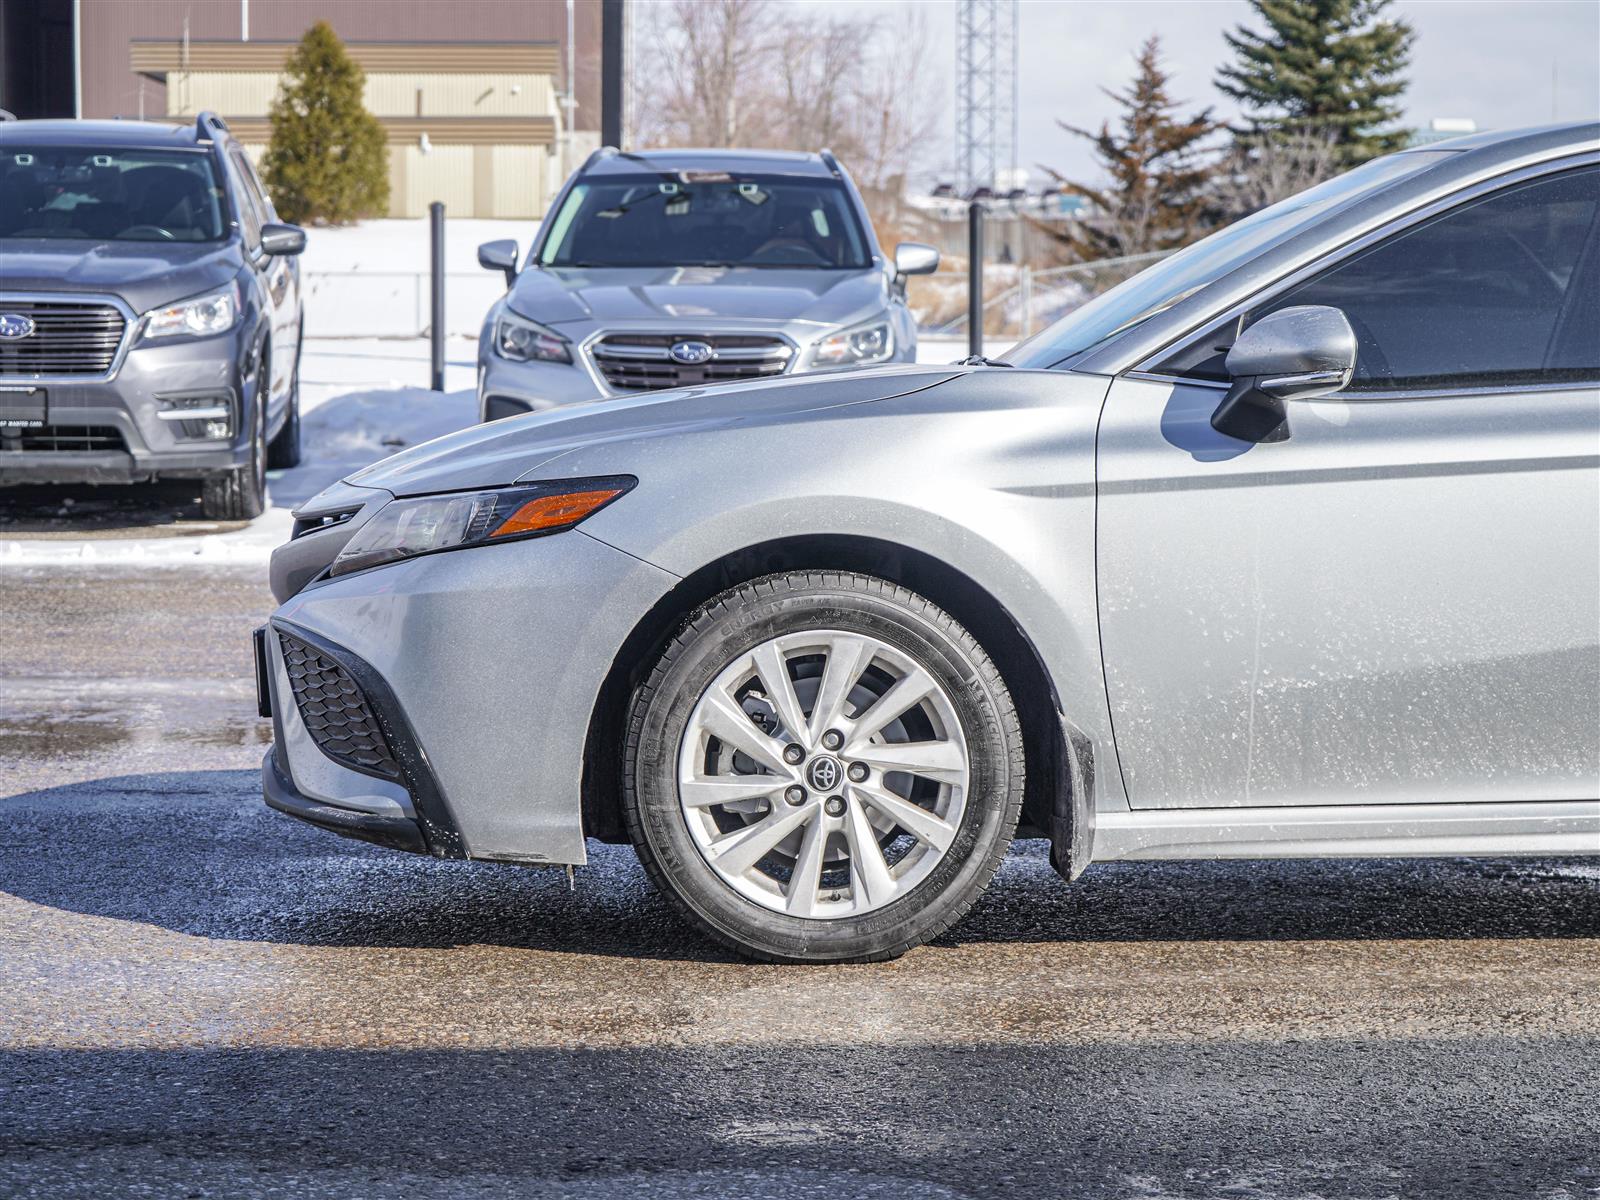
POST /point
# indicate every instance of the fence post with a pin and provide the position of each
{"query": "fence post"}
(436, 230)
(1026, 292)
(975, 279)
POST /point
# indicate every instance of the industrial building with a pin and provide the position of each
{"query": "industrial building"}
(473, 95)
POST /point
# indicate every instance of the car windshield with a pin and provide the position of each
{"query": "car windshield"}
(706, 219)
(1174, 279)
(124, 195)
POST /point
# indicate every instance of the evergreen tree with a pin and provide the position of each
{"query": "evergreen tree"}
(1331, 68)
(1158, 168)
(328, 160)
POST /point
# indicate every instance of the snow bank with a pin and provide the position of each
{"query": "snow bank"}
(360, 402)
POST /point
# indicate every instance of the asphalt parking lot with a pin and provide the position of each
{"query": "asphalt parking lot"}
(200, 997)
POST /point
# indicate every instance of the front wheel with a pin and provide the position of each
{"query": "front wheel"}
(823, 767)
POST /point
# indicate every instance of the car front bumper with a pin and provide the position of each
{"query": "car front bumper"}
(132, 443)
(481, 669)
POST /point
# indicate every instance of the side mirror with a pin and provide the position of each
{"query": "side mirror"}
(913, 258)
(1292, 354)
(283, 239)
(500, 256)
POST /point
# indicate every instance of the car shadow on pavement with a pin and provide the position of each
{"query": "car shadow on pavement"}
(198, 853)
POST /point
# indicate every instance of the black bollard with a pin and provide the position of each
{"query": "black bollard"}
(975, 279)
(436, 232)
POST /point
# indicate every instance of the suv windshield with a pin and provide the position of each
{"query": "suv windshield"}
(108, 195)
(703, 219)
(1174, 279)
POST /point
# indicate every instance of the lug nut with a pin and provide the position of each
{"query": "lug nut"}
(833, 739)
(793, 754)
(833, 806)
(858, 772)
(795, 795)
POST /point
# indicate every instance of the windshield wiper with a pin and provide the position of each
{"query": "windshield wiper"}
(978, 360)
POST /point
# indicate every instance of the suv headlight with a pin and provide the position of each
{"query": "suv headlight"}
(428, 524)
(203, 316)
(522, 340)
(868, 343)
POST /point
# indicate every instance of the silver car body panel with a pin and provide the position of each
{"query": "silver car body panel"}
(497, 655)
(1377, 637)
(1400, 603)
(1381, 831)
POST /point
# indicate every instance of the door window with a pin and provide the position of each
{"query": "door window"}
(1502, 290)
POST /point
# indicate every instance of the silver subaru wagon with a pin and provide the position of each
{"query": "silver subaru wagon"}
(1286, 547)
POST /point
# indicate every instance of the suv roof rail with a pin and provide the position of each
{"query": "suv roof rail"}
(832, 163)
(597, 154)
(7, 116)
(207, 124)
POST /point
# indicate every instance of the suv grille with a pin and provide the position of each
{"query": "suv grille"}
(62, 438)
(335, 711)
(636, 362)
(68, 339)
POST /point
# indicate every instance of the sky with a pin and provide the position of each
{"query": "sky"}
(1503, 63)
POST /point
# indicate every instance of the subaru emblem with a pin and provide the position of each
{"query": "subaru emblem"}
(14, 326)
(690, 353)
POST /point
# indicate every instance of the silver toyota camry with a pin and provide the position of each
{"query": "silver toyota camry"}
(1287, 547)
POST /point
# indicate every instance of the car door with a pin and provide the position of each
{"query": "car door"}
(1399, 603)
(279, 280)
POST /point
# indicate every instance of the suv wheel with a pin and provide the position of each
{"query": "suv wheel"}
(822, 767)
(284, 449)
(240, 493)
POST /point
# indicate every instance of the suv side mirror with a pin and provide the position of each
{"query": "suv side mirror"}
(1292, 354)
(500, 256)
(913, 258)
(283, 239)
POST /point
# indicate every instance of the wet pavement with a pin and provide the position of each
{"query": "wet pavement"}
(200, 997)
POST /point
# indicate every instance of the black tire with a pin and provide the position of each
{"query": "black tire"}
(796, 601)
(284, 449)
(240, 493)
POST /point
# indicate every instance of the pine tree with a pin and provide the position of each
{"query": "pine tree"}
(1331, 68)
(328, 161)
(1157, 165)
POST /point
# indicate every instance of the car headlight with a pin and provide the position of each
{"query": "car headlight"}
(869, 343)
(215, 312)
(522, 340)
(428, 524)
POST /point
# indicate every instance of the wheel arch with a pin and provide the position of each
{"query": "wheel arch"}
(1055, 770)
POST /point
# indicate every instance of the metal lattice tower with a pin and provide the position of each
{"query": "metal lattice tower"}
(986, 92)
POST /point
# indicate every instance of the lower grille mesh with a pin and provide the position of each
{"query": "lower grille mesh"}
(62, 439)
(335, 710)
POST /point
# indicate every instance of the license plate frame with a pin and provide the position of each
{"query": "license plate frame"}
(24, 406)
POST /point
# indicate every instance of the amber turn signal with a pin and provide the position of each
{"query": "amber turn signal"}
(554, 512)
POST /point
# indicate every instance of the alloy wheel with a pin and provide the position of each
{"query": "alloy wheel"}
(823, 774)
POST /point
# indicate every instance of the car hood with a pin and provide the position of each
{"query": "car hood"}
(674, 295)
(502, 452)
(144, 274)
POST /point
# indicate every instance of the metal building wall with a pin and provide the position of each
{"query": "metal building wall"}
(111, 88)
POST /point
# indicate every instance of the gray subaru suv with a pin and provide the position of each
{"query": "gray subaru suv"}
(671, 268)
(150, 314)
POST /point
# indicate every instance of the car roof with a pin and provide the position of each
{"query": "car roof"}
(1515, 143)
(743, 162)
(148, 135)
